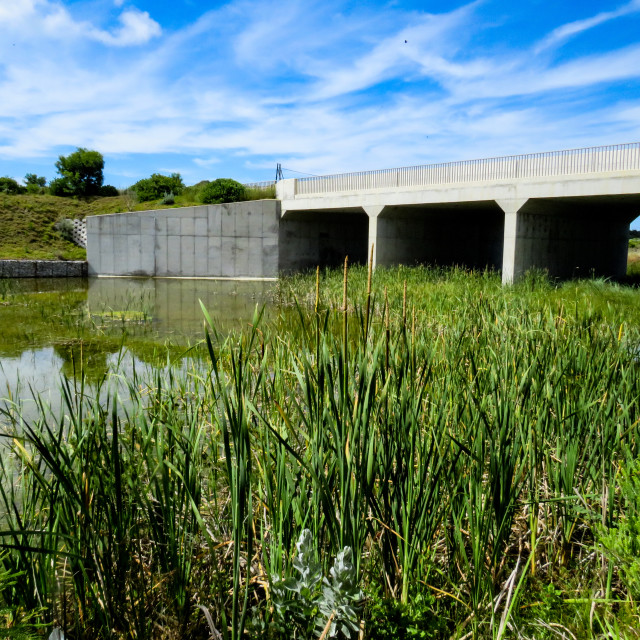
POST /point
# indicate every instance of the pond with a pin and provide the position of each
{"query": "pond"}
(54, 327)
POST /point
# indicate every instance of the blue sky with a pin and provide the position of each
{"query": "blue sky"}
(230, 89)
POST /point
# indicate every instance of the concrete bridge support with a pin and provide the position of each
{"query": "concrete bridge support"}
(567, 237)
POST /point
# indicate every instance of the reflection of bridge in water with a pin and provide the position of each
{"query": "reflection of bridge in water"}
(567, 212)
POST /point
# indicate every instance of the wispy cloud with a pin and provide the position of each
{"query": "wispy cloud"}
(137, 28)
(321, 86)
(566, 31)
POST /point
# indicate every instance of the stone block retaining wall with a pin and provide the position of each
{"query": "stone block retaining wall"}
(43, 268)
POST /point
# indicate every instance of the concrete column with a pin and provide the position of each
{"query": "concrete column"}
(512, 262)
(373, 211)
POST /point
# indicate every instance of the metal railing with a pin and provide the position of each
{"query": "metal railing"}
(620, 157)
(263, 186)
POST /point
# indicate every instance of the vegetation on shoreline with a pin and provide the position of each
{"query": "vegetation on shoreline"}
(462, 453)
(28, 220)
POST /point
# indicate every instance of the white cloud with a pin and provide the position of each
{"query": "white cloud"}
(205, 163)
(525, 75)
(51, 20)
(566, 31)
(12, 11)
(137, 28)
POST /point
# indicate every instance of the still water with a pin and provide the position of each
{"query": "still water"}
(55, 327)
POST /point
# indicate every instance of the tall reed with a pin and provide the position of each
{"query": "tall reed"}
(463, 440)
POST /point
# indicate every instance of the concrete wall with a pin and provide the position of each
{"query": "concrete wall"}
(313, 238)
(43, 268)
(229, 240)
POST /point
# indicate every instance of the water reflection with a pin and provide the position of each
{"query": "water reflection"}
(173, 305)
(50, 327)
(34, 382)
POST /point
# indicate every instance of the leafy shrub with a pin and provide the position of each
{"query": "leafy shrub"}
(65, 228)
(60, 187)
(168, 198)
(108, 191)
(308, 602)
(35, 183)
(81, 172)
(222, 190)
(9, 185)
(157, 186)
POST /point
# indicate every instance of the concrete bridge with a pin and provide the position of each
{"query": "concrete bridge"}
(566, 211)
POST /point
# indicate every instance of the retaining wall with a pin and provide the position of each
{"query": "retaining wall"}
(238, 240)
(43, 268)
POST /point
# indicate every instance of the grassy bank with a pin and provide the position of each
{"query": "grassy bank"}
(28, 221)
(633, 262)
(456, 461)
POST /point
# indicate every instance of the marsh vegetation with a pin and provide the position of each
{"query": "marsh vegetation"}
(429, 456)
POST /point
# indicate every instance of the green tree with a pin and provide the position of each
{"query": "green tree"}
(157, 186)
(32, 178)
(81, 172)
(35, 183)
(223, 190)
(9, 185)
(108, 191)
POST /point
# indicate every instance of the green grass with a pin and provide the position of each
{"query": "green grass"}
(467, 441)
(27, 221)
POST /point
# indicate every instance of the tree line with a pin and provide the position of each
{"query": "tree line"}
(81, 175)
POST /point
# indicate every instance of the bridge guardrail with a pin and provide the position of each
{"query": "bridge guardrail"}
(621, 157)
(263, 186)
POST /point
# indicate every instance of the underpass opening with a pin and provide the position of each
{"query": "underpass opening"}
(311, 238)
(576, 237)
(464, 234)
